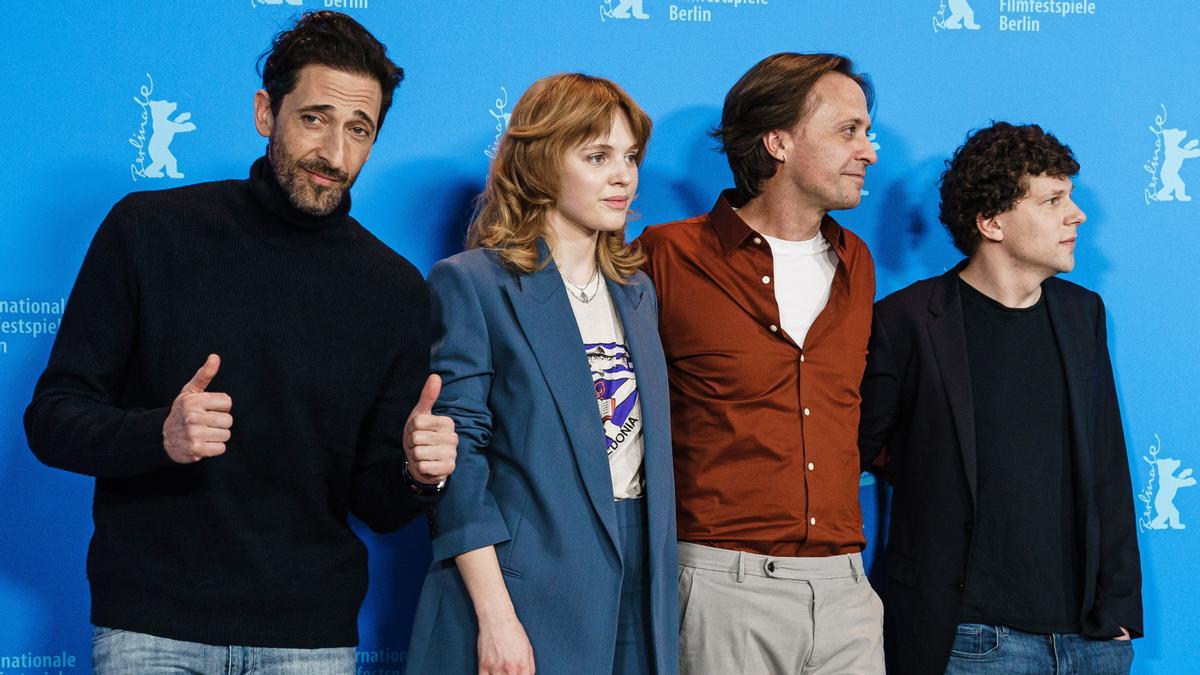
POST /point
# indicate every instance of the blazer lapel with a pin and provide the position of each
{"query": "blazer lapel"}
(545, 316)
(948, 337)
(1066, 334)
(641, 336)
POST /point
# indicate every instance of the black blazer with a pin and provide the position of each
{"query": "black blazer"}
(918, 430)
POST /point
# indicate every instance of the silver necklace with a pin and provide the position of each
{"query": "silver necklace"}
(581, 292)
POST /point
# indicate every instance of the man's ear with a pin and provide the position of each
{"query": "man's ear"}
(989, 228)
(264, 119)
(776, 145)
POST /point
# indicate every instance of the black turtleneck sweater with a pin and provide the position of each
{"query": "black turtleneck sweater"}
(323, 334)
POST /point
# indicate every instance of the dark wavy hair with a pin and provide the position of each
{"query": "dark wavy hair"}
(772, 95)
(990, 173)
(332, 39)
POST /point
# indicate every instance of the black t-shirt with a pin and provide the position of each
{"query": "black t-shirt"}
(1025, 566)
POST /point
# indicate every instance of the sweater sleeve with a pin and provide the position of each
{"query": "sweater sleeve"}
(382, 497)
(75, 421)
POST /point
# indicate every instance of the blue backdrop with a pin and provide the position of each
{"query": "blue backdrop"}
(105, 96)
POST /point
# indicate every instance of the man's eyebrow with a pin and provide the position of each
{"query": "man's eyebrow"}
(860, 121)
(326, 107)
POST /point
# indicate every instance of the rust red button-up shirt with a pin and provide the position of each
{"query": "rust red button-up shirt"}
(765, 430)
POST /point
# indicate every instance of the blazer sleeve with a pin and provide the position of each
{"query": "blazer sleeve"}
(880, 398)
(468, 517)
(1119, 583)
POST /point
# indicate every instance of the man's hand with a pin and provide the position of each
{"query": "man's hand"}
(1124, 634)
(430, 443)
(199, 423)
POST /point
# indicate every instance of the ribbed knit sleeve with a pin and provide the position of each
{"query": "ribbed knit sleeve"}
(382, 498)
(74, 422)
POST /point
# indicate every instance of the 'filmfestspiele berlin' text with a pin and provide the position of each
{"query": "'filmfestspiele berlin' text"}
(1030, 10)
(695, 11)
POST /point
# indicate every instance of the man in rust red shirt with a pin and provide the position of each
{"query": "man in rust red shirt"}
(765, 315)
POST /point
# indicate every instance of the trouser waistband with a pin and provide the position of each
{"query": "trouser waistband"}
(741, 563)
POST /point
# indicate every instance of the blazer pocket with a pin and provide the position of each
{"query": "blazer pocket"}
(902, 569)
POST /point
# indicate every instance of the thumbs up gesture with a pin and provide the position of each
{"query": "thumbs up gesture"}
(199, 422)
(430, 444)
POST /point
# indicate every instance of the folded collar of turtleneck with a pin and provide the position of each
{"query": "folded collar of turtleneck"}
(274, 199)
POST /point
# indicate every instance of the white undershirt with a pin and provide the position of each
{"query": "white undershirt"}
(803, 276)
(615, 384)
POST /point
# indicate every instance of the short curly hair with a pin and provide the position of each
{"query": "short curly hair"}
(990, 173)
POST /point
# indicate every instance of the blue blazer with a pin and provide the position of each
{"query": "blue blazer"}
(532, 475)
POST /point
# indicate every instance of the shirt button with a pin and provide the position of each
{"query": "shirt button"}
(807, 412)
(766, 280)
(812, 520)
(811, 466)
(757, 240)
(801, 358)
(774, 328)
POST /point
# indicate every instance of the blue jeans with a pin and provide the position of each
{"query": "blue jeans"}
(983, 650)
(119, 652)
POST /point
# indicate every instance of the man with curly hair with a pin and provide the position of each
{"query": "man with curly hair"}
(989, 403)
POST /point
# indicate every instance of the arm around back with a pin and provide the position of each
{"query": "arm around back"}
(880, 395)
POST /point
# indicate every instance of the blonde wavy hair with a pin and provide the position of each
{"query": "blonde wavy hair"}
(554, 115)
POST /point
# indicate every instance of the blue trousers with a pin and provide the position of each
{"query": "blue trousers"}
(120, 652)
(1000, 650)
(633, 651)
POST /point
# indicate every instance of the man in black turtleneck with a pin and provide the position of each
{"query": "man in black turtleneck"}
(221, 547)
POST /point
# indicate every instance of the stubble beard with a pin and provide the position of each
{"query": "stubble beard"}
(314, 200)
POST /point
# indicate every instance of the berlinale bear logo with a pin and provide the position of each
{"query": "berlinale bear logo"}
(1174, 152)
(622, 9)
(1159, 511)
(156, 114)
(1170, 152)
(165, 129)
(961, 16)
(1168, 485)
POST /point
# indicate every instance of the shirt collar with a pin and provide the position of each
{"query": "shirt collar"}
(732, 231)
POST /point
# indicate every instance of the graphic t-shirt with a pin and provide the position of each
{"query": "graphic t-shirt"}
(615, 385)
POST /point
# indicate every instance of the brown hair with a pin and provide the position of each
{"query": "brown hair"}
(772, 95)
(553, 115)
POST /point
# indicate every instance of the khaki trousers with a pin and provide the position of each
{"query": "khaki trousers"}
(756, 614)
